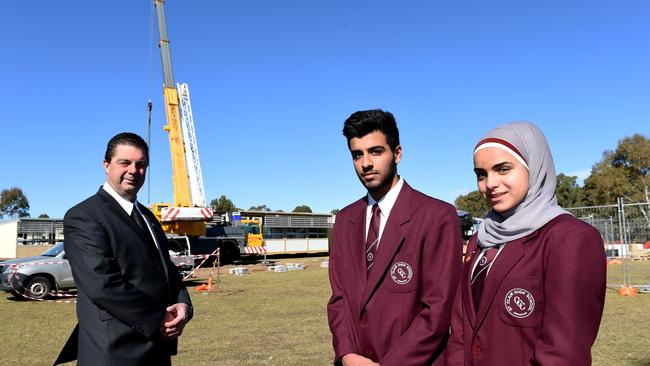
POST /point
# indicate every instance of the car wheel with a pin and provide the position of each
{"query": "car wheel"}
(37, 287)
(229, 252)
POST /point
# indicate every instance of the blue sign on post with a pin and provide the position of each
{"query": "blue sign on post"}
(236, 216)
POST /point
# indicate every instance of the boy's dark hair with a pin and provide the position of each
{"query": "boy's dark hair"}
(362, 123)
(126, 138)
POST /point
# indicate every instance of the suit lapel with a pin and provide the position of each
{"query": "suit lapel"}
(159, 242)
(147, 241)
(510, 255)
(391, 240)
(115, 207)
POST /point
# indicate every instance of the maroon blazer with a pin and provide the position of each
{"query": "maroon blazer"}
(541, 304)
(400, 315)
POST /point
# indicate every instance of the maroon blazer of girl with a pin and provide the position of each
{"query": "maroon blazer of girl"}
(532, 287)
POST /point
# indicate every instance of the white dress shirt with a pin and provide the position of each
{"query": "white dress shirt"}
(128, 206)
(386, 204)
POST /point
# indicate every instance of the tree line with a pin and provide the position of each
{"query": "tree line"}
(623, 172)
(13, 203)
(225, 204)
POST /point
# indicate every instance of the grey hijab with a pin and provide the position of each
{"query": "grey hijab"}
(540, 204)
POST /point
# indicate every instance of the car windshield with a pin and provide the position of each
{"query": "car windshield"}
(54, 251)
(252, 228)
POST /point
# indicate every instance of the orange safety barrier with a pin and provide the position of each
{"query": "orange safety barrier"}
(210, 285)
(628, 291)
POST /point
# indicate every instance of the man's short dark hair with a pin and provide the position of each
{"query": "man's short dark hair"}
(362, 123)
(126, 138)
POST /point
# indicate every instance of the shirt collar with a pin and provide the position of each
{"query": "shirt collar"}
(124, 203)
(387, 202)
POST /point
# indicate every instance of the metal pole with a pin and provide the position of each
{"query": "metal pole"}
(611, 231)
(628, 259)
(621, 237)
(149, 107)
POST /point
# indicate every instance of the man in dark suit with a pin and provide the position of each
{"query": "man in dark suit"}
(131, 304)
(394, 261)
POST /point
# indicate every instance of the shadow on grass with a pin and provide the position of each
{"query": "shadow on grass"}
(271, 258)
(194, 282)
(220, 292)
(16, 297)
(645, 362)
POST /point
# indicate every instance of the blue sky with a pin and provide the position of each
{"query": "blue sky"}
(272, 83)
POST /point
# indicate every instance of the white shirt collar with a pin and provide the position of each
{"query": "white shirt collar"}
(387, 202)
(126, 204)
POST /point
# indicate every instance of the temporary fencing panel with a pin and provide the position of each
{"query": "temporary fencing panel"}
(625, 228)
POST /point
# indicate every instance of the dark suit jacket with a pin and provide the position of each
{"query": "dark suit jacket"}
(400, 315)
(541, 304)
(123, 285)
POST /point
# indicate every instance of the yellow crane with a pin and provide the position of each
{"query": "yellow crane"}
(185, 220)
(187, 215)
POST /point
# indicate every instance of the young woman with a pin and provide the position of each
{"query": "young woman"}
(532, 288)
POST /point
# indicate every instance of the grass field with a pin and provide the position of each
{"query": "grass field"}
(280, 319)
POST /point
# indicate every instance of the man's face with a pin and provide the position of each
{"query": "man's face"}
(375, 163)
(126, 171)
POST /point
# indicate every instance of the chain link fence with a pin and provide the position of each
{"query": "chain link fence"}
(625, 228)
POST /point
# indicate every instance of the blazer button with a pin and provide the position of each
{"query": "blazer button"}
(476, 351)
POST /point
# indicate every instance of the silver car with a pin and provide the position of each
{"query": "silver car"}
(37, 276)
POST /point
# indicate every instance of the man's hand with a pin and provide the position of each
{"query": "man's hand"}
(174, 321)
(352, 359)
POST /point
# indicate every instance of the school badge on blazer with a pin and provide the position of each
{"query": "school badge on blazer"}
(519, 303)
(401, 273)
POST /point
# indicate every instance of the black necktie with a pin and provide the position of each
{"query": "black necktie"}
(139, 220)
(373, 236)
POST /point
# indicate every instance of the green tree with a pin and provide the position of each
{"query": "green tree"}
(302, 208)
(335, 211)
(473, 203)
(260, 208)
(43, 216)
(13, 203)
(624, 172)
(223, 203)
(568, 192)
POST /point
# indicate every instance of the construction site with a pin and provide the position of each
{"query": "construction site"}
(259, 279)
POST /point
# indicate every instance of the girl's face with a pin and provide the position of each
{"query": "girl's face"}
(501, 179)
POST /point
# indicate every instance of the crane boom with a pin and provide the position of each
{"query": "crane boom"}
(184, 217)
(191, 147)
(179, 165)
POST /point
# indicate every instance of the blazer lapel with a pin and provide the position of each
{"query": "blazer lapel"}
(356, 240)
(391, 240)
(510, 255)
(468, 304)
